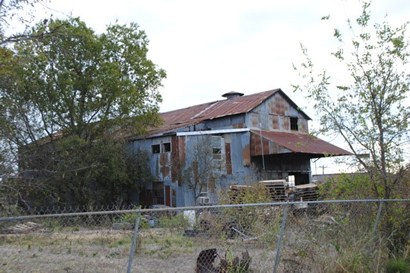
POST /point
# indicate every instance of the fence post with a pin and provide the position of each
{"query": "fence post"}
(134, 240)
(376, 223)
(280, 238)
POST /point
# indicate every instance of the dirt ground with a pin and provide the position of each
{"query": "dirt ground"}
(158, 250)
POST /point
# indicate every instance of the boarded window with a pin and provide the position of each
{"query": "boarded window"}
(155, 149)
(294, 124)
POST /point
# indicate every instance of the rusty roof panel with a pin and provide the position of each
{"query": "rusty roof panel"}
(207, 111)
(302, 143)
(196, 114)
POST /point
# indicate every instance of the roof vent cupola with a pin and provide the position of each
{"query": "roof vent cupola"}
(232, 94)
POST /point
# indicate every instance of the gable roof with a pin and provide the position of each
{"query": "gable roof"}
(192, 115)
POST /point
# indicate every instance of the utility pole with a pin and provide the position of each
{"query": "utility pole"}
(323, 168)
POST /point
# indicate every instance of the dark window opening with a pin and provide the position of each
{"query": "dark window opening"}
(294, 124)
(155, 149)
(217, 153)
(166, 147)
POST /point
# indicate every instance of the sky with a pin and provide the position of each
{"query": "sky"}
(212, 47)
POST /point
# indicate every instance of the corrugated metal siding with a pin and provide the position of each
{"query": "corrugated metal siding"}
(274, 114)
(176, 164)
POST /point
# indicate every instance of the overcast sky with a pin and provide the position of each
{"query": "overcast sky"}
(212, 47)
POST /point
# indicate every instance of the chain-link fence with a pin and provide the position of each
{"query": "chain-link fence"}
(325, 236)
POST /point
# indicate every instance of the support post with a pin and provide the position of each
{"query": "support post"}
(134, 240)
(280, 238)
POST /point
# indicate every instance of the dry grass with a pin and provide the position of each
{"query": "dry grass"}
(159, 250)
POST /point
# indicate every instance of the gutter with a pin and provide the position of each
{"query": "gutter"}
(213, 132)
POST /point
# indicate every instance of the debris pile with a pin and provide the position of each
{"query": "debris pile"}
(206, 259)
(23, 228)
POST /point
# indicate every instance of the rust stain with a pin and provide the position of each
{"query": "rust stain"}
(280, 106)
(256, 145)
(259, 145)
(265, 144)
(164, 164)
(255, 120)
(228, 158)
(165, 170)
(177, 158)
(275, 122)
(164, 159)
(211, 110)
(246, 155)
(181, 148)
(175, 169)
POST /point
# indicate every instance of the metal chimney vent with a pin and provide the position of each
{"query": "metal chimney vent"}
(232, 94)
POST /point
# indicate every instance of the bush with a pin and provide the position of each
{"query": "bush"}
(347, 186)
(173, 221)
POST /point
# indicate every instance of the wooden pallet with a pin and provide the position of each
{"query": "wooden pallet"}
(23, 228)
(276, 189)
(306, 192)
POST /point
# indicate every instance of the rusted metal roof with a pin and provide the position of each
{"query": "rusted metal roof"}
(234, 105)
(301, 143)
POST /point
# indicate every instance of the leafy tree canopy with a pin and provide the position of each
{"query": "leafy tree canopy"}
(369, 109)
(81, 83)
(67, 101)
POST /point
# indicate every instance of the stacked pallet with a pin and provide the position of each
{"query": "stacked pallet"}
(276, 189)
(23, 228)
(306, 192)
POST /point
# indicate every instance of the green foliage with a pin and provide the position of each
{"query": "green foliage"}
(129, 218)
(398, 266)
(367, 108)
(68, 101)
(347, 186)
(178, 221)
(76, 78)
(259, 221)
(166, 245)
(98, 174)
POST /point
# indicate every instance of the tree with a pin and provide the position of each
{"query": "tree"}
(79, 83)
(205, 162)
(65, 95)
(75, 78)
(19, 11)
(369, 110)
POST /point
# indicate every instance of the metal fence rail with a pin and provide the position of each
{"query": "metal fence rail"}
(321, 236)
